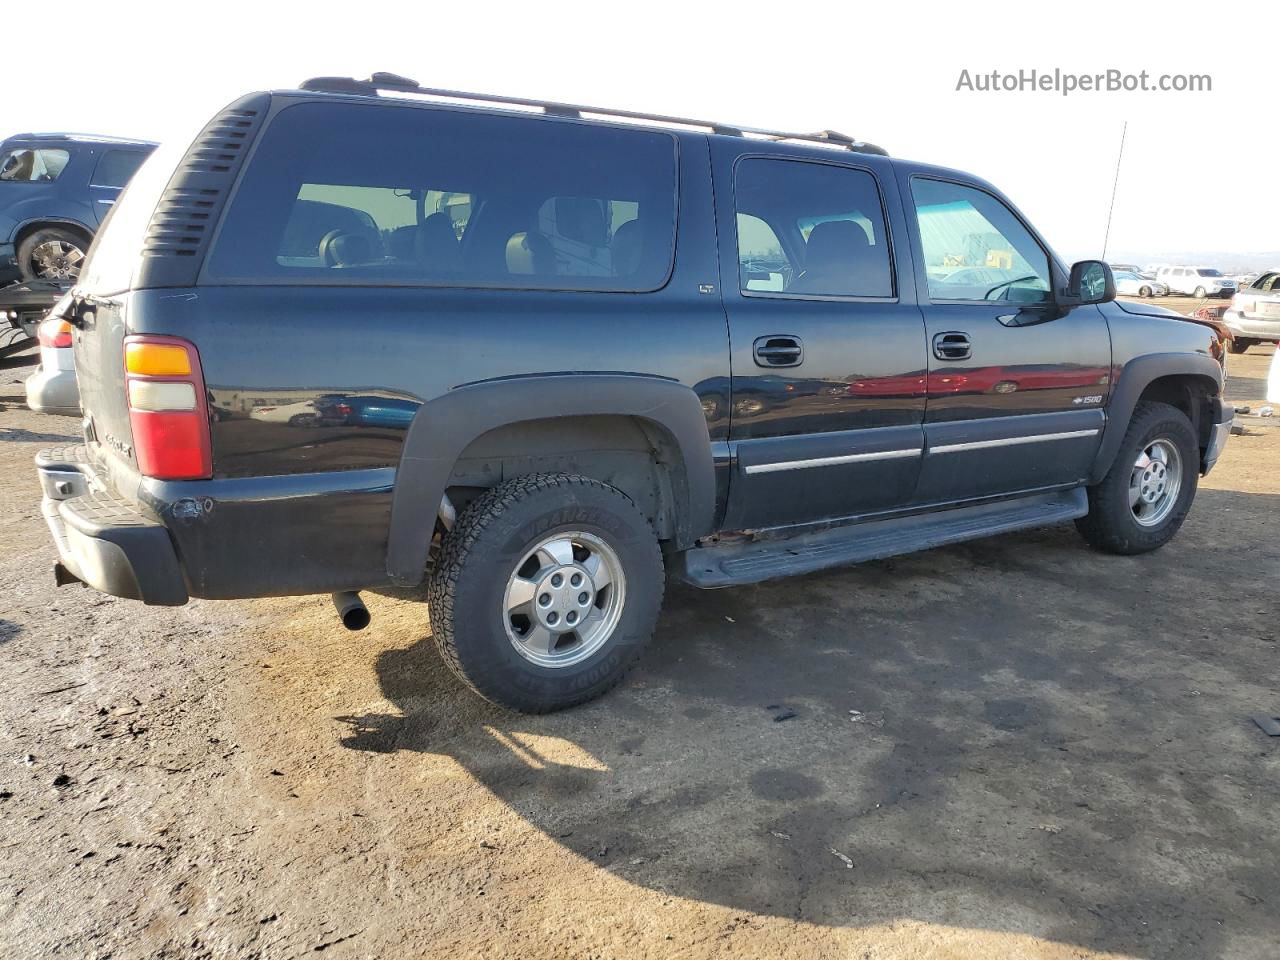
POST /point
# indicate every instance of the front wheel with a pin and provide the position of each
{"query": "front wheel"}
(1144, 291)
(1200, 293)
(545, 591)
(1141, 502)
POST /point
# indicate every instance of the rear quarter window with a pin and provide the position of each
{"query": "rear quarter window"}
(350, 194)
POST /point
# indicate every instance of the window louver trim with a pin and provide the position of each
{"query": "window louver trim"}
(181, 225)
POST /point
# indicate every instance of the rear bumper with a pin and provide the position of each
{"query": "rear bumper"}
(229, 538)
(1243, 325)
(54, 391)
(1219, 431)
(103, 540)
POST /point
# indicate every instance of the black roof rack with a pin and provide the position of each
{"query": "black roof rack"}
(392, 82)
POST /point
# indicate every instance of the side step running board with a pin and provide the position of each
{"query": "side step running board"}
(733, 564)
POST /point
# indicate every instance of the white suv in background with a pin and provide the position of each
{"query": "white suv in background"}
(1196, 281)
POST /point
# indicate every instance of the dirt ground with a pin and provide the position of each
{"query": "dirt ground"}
(1051, 757)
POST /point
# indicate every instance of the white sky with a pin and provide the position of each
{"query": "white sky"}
(1198, 171)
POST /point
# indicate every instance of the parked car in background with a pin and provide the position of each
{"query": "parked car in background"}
(300, 414)
(1135, 285)
(1254, 314)
(55, 190)
(52, 388)
(1196, 281)
(1119, 268)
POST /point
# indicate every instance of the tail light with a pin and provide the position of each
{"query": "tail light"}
(168, 409)
(54, 332)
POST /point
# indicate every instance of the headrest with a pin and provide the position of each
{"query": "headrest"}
(625, 248)
(530, 253)
(581, 219)
(835, 243)
(436, 245)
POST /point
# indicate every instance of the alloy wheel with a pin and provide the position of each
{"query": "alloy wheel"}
(56, 260)
(564, 599)
(1155, 482)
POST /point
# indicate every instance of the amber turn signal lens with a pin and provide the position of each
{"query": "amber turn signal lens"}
(157, 360)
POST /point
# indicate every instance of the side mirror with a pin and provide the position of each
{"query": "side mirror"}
(1091, 282)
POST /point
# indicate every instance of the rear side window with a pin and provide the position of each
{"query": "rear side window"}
(116, 167)
(33, 164)
(810, 229)
(362, 194)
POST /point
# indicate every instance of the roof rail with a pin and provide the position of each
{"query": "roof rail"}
(392, 82)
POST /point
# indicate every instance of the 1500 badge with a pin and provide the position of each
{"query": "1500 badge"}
(1081, 401)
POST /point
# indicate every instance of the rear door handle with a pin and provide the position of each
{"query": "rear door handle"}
(952, 346)
(778, 351)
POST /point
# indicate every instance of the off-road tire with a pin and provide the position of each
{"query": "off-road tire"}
(465, 588)
(1110, 524)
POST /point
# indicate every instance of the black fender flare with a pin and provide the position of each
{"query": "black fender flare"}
(443, 428)
(1135, 377)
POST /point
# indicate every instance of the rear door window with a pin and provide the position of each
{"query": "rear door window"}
(360, 194)
(810, 229)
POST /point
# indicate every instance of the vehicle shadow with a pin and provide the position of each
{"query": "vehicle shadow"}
(1018, 735)
(19, 435)
(9, 630)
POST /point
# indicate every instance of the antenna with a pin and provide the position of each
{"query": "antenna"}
(1114, 183)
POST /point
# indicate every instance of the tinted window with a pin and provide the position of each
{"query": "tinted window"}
(975, 248)
(358, 193)
(810, 228)
(116, 167)
(30, 164)
(1209, 273)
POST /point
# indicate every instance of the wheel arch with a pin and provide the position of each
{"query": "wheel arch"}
(1186, 381)
(31, 226)
(480, 434)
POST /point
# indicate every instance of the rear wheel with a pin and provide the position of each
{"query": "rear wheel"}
(52, 253)
(1240, 344)
(1141, 502)
(545, 591)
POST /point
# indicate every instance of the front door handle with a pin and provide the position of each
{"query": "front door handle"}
(952, 346)
(778, 351)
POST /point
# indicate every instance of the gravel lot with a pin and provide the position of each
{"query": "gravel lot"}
(1051, 757)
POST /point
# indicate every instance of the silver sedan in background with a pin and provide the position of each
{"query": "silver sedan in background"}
(1135, 285)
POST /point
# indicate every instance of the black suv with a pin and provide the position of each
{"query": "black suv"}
(55, 190)
(345, 341)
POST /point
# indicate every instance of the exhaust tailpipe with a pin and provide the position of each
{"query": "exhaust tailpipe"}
(351, 610)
